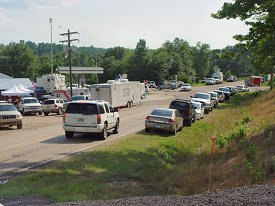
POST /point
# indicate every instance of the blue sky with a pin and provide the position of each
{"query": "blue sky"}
(110, 23)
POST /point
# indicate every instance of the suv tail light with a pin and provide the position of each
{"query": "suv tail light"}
(98, 119)
(171, 121)
(189, 113)
(55, 105)
(147, 118)
(64, 117)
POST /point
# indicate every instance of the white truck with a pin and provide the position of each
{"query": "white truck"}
(118, 93)
(66, 93)
(51, 81)
(218, 77)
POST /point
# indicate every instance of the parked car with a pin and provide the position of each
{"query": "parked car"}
(52, 106)
(230, 79)
(205, 99)
(185, 87)
(76, 98)
(203, 80)
(210, 81)
(242, 88)
(221, 95)
(214, 96)
(90, 117)
(167, 86)
(232, 90)
(9, 115)
(186, 109)
(164, 120)
(29, 105)
(199, 110)
(226, 91)
(151, 84)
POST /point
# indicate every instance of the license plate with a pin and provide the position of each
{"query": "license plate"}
(157, 126)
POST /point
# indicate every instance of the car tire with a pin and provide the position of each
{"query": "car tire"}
(128, 104)
(59, 111)
(103, 134)
(19, 126)
(189, 123)
(116, 127)
(40, 113)
(147, 130)
(206, 111)
(46, 113)
(23, 112)
(194, 119)
(69, 135)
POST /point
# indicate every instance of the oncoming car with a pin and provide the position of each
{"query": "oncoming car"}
(185, 87)
(10, 116)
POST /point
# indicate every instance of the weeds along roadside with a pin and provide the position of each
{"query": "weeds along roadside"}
(158, 164)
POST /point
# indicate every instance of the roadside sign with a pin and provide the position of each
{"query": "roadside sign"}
(81, 70)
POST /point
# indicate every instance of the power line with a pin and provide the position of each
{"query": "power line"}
(69, 40)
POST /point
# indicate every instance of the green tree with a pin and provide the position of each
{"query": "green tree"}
(260, 16)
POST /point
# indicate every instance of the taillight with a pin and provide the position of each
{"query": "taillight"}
(171, 121)
(64, 116)
(98, 119)
(189, 113)
(55, 105)
(147, 118)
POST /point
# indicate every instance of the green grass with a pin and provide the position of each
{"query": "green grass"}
(198, 84)
(142, 164)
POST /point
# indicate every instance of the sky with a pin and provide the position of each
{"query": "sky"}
(110, 23)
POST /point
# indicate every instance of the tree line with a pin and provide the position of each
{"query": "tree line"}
(173, 59)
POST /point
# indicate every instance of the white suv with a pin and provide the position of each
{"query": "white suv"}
(90, 117)
(52, 105)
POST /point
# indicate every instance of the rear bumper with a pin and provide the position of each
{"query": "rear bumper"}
(159, 126)
(84, 129)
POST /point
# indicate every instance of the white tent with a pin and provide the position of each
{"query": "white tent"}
(20, 86)
(14, 91)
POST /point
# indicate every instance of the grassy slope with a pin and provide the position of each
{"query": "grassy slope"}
(156, 163)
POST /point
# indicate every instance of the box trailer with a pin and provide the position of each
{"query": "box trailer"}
(254, 81)
(218, 77)
(118, 93)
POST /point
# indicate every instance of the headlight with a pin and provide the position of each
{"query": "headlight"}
(18, 115)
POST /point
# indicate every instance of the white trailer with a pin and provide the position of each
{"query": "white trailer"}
(218, 76)
(51, 81)
(118, 93)
(66, 93)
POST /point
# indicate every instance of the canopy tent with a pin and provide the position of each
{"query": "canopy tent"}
(14, 91)
(20, 86)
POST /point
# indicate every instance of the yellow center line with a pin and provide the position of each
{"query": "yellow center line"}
(24, 143)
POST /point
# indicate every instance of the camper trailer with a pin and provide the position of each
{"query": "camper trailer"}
(118, 93)
(50, 82)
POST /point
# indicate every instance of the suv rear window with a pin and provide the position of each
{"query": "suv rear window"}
(179, 105)
(82, 108)
(48, 102)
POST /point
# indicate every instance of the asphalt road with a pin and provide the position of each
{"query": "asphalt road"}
(23, 150)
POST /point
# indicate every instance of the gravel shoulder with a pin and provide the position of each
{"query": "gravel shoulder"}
(249, 195)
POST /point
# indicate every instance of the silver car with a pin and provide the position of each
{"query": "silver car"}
(9, 115)
(165, 120)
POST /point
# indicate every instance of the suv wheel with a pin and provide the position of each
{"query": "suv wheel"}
(46, 113)
(194, 119)
(116, 127)
(103, 134)
(59, 111)
(23, 112)
(40, 113)
(19, 126)
(147, 130)
(189, 123)
(69, 135)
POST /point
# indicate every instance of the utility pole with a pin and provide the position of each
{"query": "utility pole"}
(51, 20)
(68, 34)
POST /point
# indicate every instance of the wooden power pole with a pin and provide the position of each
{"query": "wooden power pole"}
(69, 40)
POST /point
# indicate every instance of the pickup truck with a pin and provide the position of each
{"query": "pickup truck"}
(167, 86)
(206, 101)
(29, 105)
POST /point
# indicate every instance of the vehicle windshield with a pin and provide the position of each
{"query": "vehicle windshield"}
(48, 102)
(7, 108)
(196, 105)
(82, 108)
(162, 112)
(75, 98)
(213, 94)
(239, 86)
(224, 89)
(186, 85)
(30, 101)
(202, 96)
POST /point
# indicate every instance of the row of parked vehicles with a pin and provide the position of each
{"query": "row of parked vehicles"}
(185, 111)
